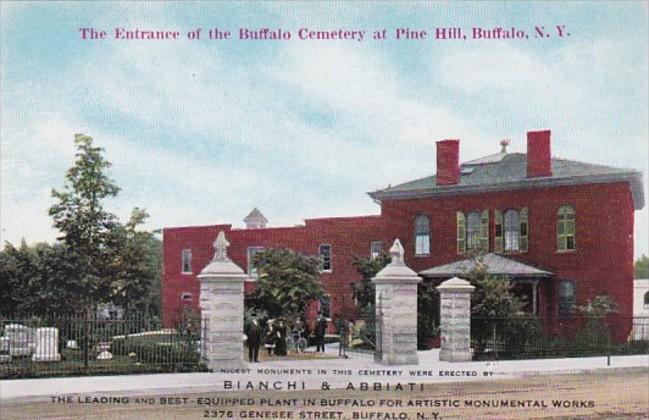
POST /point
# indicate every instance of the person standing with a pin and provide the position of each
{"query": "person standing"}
(271, 337)
(280, 346)
(320, 330)
(254, 340)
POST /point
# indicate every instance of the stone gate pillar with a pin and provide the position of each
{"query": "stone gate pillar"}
(455, 320)
(221, 303)
(396, 311)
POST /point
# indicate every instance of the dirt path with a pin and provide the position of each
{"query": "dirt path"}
(601, 395)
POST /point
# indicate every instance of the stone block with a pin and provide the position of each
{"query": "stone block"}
(47, 345)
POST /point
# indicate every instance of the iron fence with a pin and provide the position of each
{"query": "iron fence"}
(74, 345)
(532, 337)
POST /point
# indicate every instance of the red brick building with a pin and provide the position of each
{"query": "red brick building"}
(561, 230)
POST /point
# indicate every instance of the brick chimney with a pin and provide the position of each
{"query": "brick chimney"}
(448, 162)
(539, 159)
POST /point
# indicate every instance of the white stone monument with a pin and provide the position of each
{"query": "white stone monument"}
(5, 357)
(221, 301)
(104, 351)
(455, 320)
(18, 336)
(396, 311)
(47, 345)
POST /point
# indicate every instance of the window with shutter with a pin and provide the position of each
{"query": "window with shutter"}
(499, 243)
(512, 230)
(484, 231)
(473, 227)
(524, 229)
(461, 232)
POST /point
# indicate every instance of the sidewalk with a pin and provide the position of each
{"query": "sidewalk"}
(338, 373)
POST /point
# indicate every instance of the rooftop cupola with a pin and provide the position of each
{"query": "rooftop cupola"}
(255, 220)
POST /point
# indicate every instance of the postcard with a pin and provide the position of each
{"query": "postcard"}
(324, 210)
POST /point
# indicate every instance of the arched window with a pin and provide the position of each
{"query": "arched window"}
(512, 230)
(473, 230)
(422, 235)
(567, 297)
(566, 228)
(646, 300)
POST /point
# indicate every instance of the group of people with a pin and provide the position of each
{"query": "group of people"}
(274, 336)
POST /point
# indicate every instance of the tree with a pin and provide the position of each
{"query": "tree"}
(493, 296)
(34, 279)
(496, 313)
(86, 227)
(286, 282)
(642, 268)
(595, 334)
(135, 266)
(363, 291)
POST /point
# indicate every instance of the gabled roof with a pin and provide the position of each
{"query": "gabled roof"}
(496, 265)
(255, 215)
(508, 171)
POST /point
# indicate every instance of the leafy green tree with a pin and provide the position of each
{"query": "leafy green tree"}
(427, 312)
(493, 296)
(135, 266)
(599, 306)
(86, 227)
(642, 268)
(496, 312)
(595, 334)
(33, 280)
(12, 278)
(286, 282)
(364, 294)
(363, 291)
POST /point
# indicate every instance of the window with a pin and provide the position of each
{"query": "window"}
(472, 231)
(325, 306)
(185, 297)
(511, 231)
(461, 232)
(566, 228)
(646, 300)
(252, 251)
(566, 297)
(422, 235)
(375, 249)
(187, 261)
(325, 257)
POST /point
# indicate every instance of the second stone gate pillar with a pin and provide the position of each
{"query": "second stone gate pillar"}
(455, 320)
(396, 311)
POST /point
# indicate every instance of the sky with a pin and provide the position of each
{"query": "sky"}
(201, 131)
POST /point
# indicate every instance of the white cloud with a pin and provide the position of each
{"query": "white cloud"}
(227, 132)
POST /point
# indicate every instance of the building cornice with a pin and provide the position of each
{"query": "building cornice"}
(634, 178)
